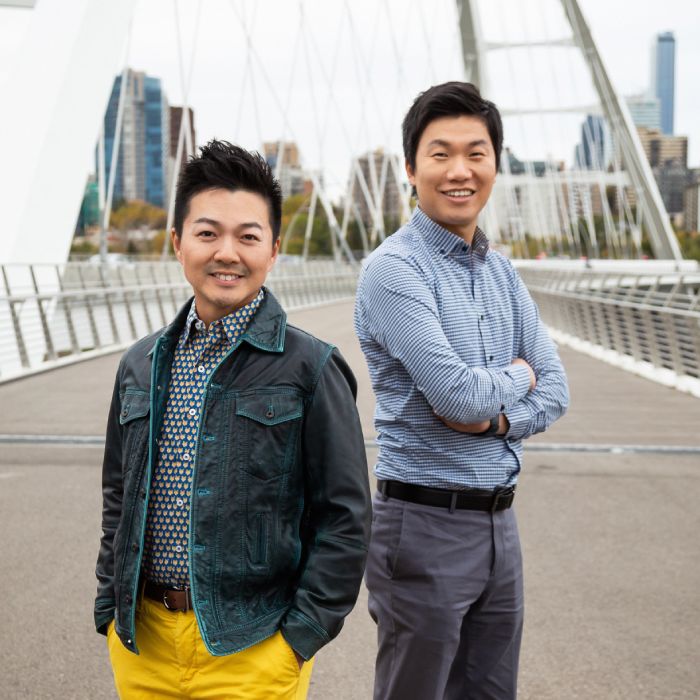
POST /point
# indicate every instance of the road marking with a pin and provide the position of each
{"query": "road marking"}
(99, 441)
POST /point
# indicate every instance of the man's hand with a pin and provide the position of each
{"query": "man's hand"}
(533, 378)
(472, 428)
(480, 427)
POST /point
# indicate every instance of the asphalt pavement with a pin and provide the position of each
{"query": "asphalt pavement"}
(607, 511)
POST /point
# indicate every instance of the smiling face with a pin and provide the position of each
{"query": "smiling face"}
(226, 250)
(454, 172)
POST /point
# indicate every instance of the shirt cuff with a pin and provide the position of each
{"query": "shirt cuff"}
(519, 419)
(521, 378)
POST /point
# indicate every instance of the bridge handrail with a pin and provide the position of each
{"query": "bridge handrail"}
(653, 320)
(55, 314)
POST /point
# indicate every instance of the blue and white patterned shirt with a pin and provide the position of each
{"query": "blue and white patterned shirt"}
(198, 353)
(440, 322)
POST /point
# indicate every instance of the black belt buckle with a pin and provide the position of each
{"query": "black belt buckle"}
(499, 493)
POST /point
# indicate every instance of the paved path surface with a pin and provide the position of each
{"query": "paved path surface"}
(612, 556)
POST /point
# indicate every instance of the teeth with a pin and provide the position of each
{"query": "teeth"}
(226, 278)
(459, 193)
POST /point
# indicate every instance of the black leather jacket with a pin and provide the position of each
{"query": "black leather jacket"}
(280, 507)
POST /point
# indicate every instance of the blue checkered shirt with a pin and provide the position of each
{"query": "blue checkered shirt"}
(440, 322)
(198, 353)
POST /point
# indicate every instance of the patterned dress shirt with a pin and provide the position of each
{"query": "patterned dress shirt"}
(198, 353)
(440, 323)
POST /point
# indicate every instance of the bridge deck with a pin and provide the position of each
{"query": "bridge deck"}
(610, 540)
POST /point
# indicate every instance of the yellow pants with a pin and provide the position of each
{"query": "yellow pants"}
(174, 663)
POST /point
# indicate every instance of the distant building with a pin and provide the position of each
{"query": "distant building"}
(691, 207)
(538, 168)
(664, 77)
(290, 173)
(175, 121)
(593, 151)
(371, 166)
(143, 153)
(89, 215)
(662, 150)
(645, 111)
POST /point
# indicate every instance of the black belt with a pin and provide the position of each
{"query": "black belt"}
(175, 600)
(471, 499)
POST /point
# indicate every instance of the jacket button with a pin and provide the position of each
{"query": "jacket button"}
(270, 413)
(128, 598)
(125, 412)
(142, 493)
(134, 547)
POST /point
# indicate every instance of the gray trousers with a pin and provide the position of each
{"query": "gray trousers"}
(446, 592)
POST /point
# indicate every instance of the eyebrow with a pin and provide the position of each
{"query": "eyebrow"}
(446, 144)
(214, 222)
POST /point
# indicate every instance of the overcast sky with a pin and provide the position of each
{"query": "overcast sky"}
(342, 83)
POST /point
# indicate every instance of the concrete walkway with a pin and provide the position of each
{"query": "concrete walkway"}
(611, 546)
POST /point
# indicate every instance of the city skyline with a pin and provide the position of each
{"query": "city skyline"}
(217, 106)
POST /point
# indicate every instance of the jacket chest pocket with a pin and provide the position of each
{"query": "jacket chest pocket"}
(268, 428)
(134, 419)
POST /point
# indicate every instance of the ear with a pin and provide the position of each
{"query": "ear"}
(273, 258)
(176, 244)
(411, 174)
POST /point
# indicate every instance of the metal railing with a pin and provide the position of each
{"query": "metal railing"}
(651, 318)
(54, 314)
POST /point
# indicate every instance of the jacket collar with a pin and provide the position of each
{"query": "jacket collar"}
(265, 332)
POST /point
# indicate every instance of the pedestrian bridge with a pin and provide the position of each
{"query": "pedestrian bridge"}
(607, 501)
(641, 315)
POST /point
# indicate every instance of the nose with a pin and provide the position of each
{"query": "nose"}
(227, 250)
(459, 169)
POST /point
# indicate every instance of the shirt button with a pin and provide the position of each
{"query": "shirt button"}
(186, 457)
(180, 502)
(481, 317)
(201, 369)
(192, 411)
(178, 549)
(490, 358)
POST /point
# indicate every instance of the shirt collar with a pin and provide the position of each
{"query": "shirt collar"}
(233, 325)
(445, 242)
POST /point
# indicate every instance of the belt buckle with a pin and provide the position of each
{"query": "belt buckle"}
(498, 493)
(186, 591)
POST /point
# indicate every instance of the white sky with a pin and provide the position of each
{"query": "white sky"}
(373, 85)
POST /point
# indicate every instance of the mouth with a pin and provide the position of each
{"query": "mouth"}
(226, 277)
(459, 195)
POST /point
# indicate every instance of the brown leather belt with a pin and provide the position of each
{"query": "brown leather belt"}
(173, 599)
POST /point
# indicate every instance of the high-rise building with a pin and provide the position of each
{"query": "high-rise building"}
(289, 172)
(691, 207)
(175, 122)
(592, 153)
(662, 150)
(645, 110)
(668, 157)
(664, 77)
(144, 143)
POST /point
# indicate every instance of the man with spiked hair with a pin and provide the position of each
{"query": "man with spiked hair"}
(235, 491)
(463, 370)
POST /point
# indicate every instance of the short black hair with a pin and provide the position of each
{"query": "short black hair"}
(221, 165)
(451, 99)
